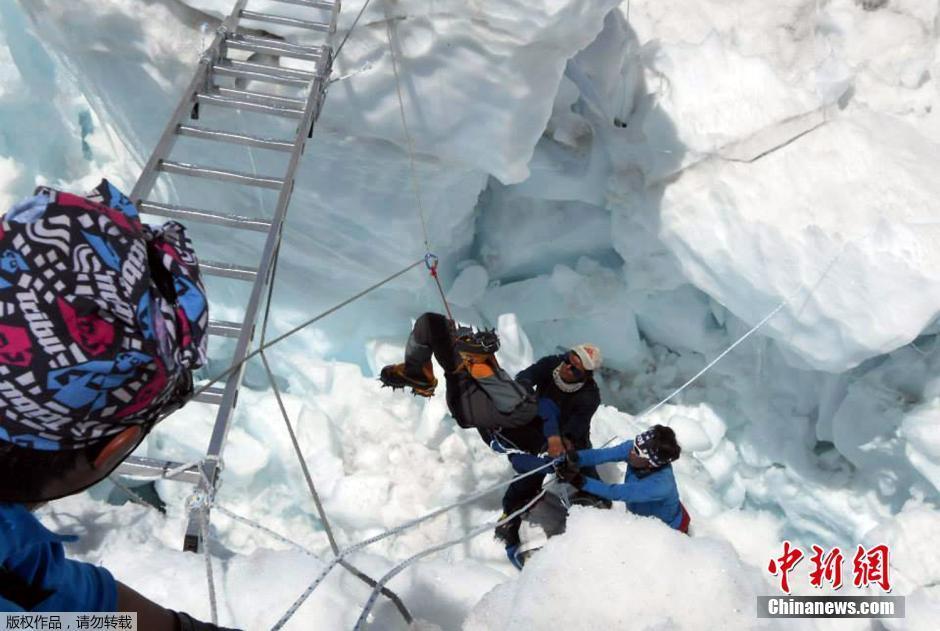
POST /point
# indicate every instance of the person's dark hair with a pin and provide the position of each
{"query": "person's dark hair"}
(664, 443)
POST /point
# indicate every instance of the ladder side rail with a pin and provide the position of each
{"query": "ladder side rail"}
(272, 243)
(149, 174)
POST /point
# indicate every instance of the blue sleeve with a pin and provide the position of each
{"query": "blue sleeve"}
(617, 453)
(550, 414)
(75, 586)
(37, 556)
(538, 372)
(523, 463)
(635, 492)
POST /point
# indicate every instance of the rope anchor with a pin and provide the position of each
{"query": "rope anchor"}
(431, 261)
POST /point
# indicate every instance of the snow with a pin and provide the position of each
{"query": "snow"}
(621, 571)
(652, 176)
(849, 244)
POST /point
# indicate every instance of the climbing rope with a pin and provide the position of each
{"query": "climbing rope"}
(300, 458)
(408, 136)
(319, 505)
(200, 502)
(364, 616)
(228, 371)
(394, 531)
(351, 29)
(431, 260)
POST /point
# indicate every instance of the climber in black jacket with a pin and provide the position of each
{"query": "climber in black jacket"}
(568, 396)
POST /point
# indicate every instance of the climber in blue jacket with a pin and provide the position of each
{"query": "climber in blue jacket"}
(649, 486)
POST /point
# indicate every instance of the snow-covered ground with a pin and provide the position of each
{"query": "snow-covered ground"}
(655, 176)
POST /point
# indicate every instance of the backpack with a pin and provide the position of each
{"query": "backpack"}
(483, 395)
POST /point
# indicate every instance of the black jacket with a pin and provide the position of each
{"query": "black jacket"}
(577, 408)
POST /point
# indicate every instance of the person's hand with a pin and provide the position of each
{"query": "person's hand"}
(572, 459)
(556, 446)
(570, 473)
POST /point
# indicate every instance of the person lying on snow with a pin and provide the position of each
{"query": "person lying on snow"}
(544, 519)
(649, 486)
(103, 320)
(547, 408)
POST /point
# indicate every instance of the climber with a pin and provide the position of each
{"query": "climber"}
(649, 486)
(479, 393)
(97, 345)
(568, 396)
(547, 408)
(545, 519)
(554, 397)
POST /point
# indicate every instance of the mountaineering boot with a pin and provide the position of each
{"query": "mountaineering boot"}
(512, 553)
(397, 376)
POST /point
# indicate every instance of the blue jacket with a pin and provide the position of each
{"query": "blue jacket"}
(36, 576)
(653, 495)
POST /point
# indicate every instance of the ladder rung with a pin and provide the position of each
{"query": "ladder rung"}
(326, 5)
(135, 466)
(219, 70)
(261, 97)
(205, 216)
(275, 71)
(227, 270)
(273, 42)
(277, 51)
(220, 174)
(286, 21)
(212, 395)
(249, 106)
(225, 329)
(239, 139)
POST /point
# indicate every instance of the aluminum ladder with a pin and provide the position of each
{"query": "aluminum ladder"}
(218, 83)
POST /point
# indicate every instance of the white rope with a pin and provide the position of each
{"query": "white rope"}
(261, 527)
(166, 474)
(363, 617)
(365, 68)
(200, 502)
(750, 331)
(132, 494)
(737, 342)
(351, 29)
(408, 136)
(389, 533)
